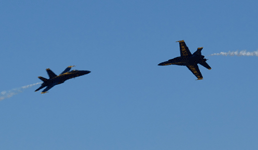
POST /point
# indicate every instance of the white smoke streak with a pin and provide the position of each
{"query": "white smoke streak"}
(236, 53)
(8, 94)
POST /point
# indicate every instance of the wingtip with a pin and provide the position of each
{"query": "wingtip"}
(199, 78)
(209, 68)
(43, 92)
(71, 66)
(180, 41)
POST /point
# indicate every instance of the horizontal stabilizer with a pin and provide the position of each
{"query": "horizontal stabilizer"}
(42, 86)
(43, 79)
(204, 64)
(47, 88)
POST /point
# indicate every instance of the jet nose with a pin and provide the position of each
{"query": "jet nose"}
(86, 72)
(165, 63)
(162, 64)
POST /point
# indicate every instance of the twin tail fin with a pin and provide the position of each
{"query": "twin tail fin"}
(198, 51)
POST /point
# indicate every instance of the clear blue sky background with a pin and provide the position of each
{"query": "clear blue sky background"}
(128, 102)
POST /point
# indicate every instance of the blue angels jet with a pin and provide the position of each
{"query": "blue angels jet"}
(189, 60)
(55, 80)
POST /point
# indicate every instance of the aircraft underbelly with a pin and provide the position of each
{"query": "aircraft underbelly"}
(181, 64)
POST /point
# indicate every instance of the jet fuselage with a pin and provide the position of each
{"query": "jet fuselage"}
(189, 60)
(55, 80)
(184, 61)
(66, 76)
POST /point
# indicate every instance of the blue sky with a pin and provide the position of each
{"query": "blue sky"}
(127, 101)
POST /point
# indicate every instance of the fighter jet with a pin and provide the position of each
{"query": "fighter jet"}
(189, 60)
(55, 80)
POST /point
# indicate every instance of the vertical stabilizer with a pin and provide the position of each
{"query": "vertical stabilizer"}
(67, 69)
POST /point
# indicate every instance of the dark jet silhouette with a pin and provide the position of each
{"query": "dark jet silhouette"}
(55, 80)
(189, 60)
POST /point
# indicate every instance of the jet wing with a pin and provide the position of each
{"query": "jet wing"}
(184, 51)
(46, 89)
(67, 69)
(195, 70)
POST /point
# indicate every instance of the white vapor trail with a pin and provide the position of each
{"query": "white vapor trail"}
(10, 93)
(236, 53)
